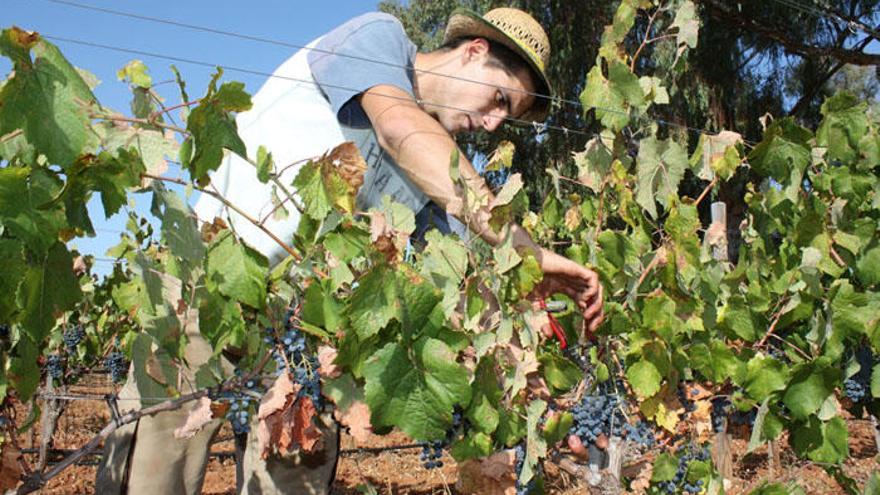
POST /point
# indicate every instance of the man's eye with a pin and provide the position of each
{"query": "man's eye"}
(499, 98)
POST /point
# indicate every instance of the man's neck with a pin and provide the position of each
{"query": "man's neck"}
(431, 72)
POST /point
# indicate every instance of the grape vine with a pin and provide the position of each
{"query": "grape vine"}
(771, 324)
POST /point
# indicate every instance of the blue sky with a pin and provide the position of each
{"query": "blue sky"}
(296, 22)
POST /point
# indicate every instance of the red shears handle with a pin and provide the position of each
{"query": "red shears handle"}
(555, 326)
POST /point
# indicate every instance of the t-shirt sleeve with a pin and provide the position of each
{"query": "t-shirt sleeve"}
(378, 52)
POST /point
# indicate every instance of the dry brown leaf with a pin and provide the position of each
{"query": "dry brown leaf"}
(351, 165)
(573, 218)
(199, 416)
(154, 369)
(642, 481)
(357, 419)
(10, 467)
(538, 388)
(210, 230)
(79, 266)
(382, 236)
(716, 234)
(302, 429)
(326, 356)
(702, 418)
(276, 400)
(286, 421)
(493, 475)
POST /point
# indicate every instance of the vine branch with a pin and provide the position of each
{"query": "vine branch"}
(227, 203)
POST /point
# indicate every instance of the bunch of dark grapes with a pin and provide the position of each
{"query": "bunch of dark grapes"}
(72, 337)
(744, 417)
(291, 356)
(433, 451)
(115, 362)
(720, 410)
(594, 415)
(240, 406)
(640, 433)
(683, 395)
(54, 366)
(522, 489)
(857, 386)
(579, 355)
(4, 332)
(679, 484)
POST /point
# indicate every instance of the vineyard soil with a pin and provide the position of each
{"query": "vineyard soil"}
(401, 472)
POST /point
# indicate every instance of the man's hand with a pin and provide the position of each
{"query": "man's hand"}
(561, 275)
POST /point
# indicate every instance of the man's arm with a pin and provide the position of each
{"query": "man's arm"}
(422, 147)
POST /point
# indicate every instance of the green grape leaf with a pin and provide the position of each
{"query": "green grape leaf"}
(810, 385)
(688, 24)
(872, 487)
(415, 394)
(28, 208)
(48, 288)
(556, 428)
(12, 254)
(154, 372)
(240, 272)
(221, 320)
(821, 441)
(265, 164)
(784, 152)
(660, 168)
(213, 129)
(179, 227)
(109, 175)
(615, 33)
(594, 164)
(24, 371)
(868, 266)
(644, 378)
(665, 467)
(502, 157)
(844, 125)
(154, 147)
(612, 97)
(737, 318)
(135, 72)
(560, 373)
(373, 304)
(46, 97)
(764, 375)
(875, 382)
(476, 444)
(536, 446)
(445, 263)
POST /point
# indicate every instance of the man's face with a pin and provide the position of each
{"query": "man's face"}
(481, 106)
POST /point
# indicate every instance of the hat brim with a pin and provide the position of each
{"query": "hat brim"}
(466, 23)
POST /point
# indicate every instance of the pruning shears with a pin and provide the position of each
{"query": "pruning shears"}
(555, 307)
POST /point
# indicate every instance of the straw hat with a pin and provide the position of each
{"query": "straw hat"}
(516, 30)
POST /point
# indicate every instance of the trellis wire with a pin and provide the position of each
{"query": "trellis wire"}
(572, 103)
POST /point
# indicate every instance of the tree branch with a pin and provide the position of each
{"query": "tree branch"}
(791, 45)
(808, 96)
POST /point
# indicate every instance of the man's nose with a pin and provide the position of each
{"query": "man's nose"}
(492, 120)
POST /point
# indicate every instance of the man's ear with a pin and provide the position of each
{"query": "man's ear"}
(476, 49)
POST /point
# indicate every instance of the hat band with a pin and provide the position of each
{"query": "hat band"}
(529, 51)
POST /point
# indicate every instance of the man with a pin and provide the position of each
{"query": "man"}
(365, 82)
